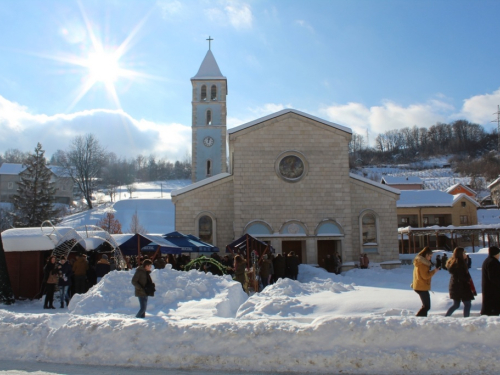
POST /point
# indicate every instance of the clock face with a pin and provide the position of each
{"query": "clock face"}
(208, 141)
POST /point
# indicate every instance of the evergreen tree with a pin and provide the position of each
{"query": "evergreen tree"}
(6, 294)
(34, 200)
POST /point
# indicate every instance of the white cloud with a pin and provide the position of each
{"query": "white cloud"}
(481, 108)
(388, 116)
(169, 7)
(116, 130)
(236, 13)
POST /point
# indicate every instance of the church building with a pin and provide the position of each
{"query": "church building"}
(288, 184)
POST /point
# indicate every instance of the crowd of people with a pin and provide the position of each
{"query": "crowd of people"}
(74, 276)
(461, 286)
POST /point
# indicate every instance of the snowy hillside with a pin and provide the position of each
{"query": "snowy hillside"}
(151, 200)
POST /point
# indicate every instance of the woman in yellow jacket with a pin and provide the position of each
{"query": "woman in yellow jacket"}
(422, 276)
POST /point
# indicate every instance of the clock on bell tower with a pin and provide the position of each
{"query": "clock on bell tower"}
(209, 120)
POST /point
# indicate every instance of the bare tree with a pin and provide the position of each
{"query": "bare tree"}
(135, 225)
(130, 189)
(84, 162)
(112, 191)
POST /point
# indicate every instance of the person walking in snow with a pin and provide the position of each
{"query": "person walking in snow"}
(460, 282)
(65, 273)
(292, 265)
(438, 261)
(279, 265)
(80, 268)
(144, 286)
(444, 260)
(239, 271)
(265, 271)
(50, 278)
(491, 283)
(422, 276)
(102, 267)
(339, 264)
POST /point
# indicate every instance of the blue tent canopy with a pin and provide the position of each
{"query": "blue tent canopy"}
(188, 244)
(214, 249)
(166, 247)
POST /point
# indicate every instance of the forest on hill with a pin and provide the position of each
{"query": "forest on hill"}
(474, 150)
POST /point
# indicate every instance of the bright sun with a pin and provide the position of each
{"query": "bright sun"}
(103, 67)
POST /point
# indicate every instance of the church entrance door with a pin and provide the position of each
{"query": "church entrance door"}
(295, 246)
(325, 248)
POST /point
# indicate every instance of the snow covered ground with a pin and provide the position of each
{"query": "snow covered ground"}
(360, 322)
(151, 200)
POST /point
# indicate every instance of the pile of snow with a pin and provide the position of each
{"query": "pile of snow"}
(202, 295)
(360, 322)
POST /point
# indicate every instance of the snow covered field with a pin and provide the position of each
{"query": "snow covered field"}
(360, 322)
(151, 200)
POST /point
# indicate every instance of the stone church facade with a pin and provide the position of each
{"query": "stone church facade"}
(289, 184)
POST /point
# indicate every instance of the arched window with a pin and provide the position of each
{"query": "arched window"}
(203, 92)
(369, 229)
(213, 93)
(205, 230)
(209, 168)
(209, 117)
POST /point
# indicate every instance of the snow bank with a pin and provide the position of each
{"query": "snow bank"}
(360, 322)
(176, 290)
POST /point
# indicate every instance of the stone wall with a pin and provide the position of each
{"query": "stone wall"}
(383, 203)
(216, 200)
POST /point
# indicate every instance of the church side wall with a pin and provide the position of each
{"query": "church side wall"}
(215, 199)
(383, 203)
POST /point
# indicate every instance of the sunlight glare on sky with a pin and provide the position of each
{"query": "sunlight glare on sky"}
(95, 66)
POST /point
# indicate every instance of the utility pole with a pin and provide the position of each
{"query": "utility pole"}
(498, 125)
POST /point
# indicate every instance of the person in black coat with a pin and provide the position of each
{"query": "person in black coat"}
(292, 265)
(65, 273)
(438, 261)
(279, 265)
(491, 283)
(444, 260)
(460, 287)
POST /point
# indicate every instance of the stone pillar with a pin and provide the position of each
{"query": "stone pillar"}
(311, 251)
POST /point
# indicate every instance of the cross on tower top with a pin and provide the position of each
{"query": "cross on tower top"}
(209, 40)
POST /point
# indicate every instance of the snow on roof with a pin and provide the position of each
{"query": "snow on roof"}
(457, 197)
(373, 183)
(199, 184)
(461, 185)
(489, 186)
(11, 168)
(430, 198)
(283, 112)
(122, 238)
(30, 239)
(209, 68)
(401, 180)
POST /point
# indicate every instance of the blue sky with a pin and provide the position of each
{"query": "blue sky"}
(367, 64)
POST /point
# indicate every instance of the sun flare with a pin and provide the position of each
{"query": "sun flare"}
(103, 67)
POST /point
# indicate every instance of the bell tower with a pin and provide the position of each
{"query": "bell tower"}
(208, 119)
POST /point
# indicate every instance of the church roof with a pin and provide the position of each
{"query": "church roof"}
(373, 183)
(209, 68)
(284, 112)
(199, 184)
